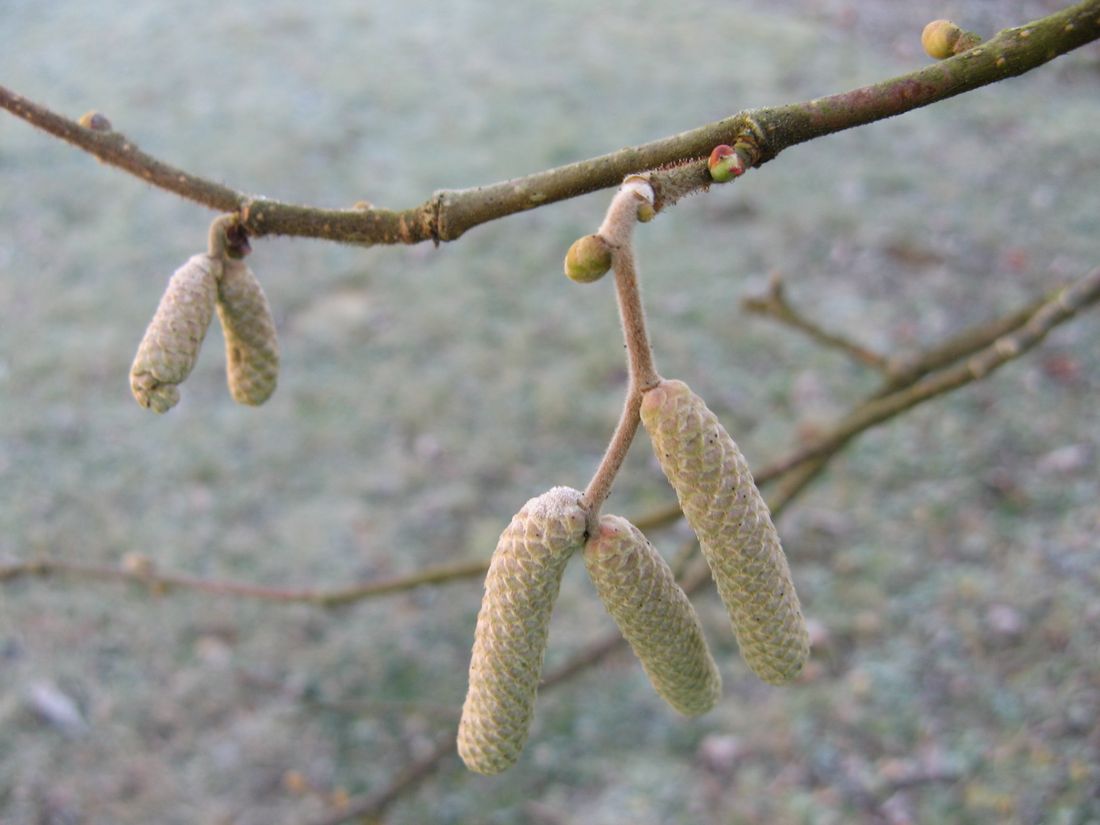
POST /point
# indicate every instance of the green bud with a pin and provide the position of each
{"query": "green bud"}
(588, 259)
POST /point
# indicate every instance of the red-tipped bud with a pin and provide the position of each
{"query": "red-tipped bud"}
(724, 164)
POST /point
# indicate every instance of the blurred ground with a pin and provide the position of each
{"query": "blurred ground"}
(948, 560)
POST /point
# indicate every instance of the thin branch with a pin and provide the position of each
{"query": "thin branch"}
(1063, 306)
(371, 806)
(774, 303)
(902, 372)
(144, 573)
(450, 213)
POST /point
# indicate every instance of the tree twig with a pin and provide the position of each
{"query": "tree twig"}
(450, 213)
(774, 303)
(145, 574)
(903, 371)
(1063, 306)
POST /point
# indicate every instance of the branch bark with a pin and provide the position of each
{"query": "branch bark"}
(448, 214)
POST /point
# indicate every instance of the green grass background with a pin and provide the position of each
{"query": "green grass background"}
(948, 560)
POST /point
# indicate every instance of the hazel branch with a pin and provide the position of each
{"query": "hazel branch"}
(1063, 306)
(760, 134)
(903, 371)
(774, 303)
(141, 570)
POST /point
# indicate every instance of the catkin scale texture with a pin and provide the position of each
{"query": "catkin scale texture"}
(654, 615)
(251, 345)
(513, 626)
(170, 346)
(723, 506)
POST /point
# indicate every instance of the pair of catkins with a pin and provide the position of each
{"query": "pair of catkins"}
(218, 279)
(738, 540)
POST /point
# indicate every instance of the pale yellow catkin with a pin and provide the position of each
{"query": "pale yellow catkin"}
(723, 506)
(653, 614)
(251, 345)
(170, 346)
(513, 626)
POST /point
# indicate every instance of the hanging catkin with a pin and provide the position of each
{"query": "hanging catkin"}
(717, 494)
(168, 350)
(251, 346)
(512, 628)
(654, 615)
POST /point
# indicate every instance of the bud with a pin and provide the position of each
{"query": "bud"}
(724, 164)
(513, 626)
(654, 615)
(942, 39)
(170, 347)
(588, 259)
(721, 503)
(251, 346)
(96, 121)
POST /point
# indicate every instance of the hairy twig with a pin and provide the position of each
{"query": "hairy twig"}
(774, 303)
(616, 230)
(1063, 306)
(450, 213)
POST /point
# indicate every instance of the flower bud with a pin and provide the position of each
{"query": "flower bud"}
(724, 164)
(513, 626)
(739, 542)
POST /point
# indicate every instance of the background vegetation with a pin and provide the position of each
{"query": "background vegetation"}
(948, 560)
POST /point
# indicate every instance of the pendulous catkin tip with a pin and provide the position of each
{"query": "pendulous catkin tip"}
(170, 346)
(739, 542)
(251, 344)
(513, 626)
(654, 615)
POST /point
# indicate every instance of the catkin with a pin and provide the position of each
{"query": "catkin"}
(251, 346)
(513, 626)
(717, 494)
(654, 615)
(168, 350)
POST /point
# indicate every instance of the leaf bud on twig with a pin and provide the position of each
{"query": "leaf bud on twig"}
(588, 259)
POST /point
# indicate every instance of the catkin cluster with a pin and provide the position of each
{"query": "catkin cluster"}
(739, 542)
(168, 350)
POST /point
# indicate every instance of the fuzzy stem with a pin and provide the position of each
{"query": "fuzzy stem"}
(617, 229)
